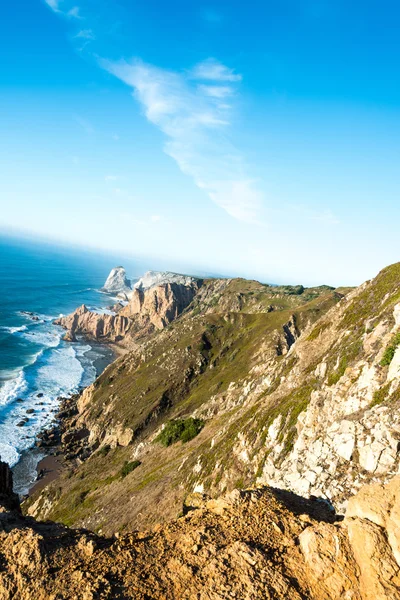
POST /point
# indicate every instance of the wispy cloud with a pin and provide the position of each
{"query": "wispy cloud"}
(56, 6)
(213, 70)
(85, 34)
(110, 178)
(195, 122)
(74, 12)
(53, 4)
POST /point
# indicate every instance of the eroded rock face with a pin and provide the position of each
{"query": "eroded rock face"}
(349, 432)
(110, 328)
(256, 544)
(146, 311)
(155, 278)
(161, 304)
(117, 282)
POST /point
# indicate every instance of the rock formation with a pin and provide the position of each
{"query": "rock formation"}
(152, 278)
(160, 304)
(147, 310)
(256, 544)
(220, 353)
(294, 388)
(117, 282)
(100, 327)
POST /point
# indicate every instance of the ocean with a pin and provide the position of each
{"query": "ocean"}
(39, 282)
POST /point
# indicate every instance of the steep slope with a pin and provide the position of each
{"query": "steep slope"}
(208, 365)
(252, 544)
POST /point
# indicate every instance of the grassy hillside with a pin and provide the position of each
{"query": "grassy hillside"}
(220, 362)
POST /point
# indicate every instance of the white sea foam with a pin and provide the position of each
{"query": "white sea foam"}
(14, 329)
(12, 389)
(54, 369)
(57, 372)
(49, 338)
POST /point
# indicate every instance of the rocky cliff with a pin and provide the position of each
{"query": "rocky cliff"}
(257, 544)
(117, 282)
(147, 310)
(155, 278)
(211, 363)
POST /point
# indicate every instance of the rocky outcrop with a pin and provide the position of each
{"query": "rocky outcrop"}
(256, 544)
(100, 327)
(117, 282)
(155, 278)
(160, 304)
(147, 310)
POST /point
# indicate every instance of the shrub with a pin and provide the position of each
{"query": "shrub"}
(128, 467)
(334, 377)
(180, 430)
(390, 350)
(380, 395)
(105, 450)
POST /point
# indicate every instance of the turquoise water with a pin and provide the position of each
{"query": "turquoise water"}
(39, 282)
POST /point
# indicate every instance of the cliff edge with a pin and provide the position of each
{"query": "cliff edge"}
(256, 544)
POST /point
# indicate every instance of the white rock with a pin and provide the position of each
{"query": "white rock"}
(152, 278)
(117, 282)
(369, 455)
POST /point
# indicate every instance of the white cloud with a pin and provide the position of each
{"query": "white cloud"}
(110, 178)
(195, 123)
(74, 12)
(53, 4)
(216, 91)
(85, 34)
(155, 218)
(213, 70)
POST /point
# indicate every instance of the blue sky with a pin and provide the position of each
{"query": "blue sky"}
(259, 138)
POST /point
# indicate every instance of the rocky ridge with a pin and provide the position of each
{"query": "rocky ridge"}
(148, 309)
(201, 365)
(256, 543)
(117, 282)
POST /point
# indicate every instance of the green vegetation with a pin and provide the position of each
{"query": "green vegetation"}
(383, 289)
(182, 430)
(105, 450)
(128, 467)
(177, 372)
(380, 395)
(390, 350)
(318, 329)
(350, 352)
(335, 376)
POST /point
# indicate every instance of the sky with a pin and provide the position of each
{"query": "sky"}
(257, 138)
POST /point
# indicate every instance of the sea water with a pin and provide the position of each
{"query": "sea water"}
(39, 282)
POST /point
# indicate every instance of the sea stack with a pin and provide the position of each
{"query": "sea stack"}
(117, 282)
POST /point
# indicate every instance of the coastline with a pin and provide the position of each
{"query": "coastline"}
(42, 464)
